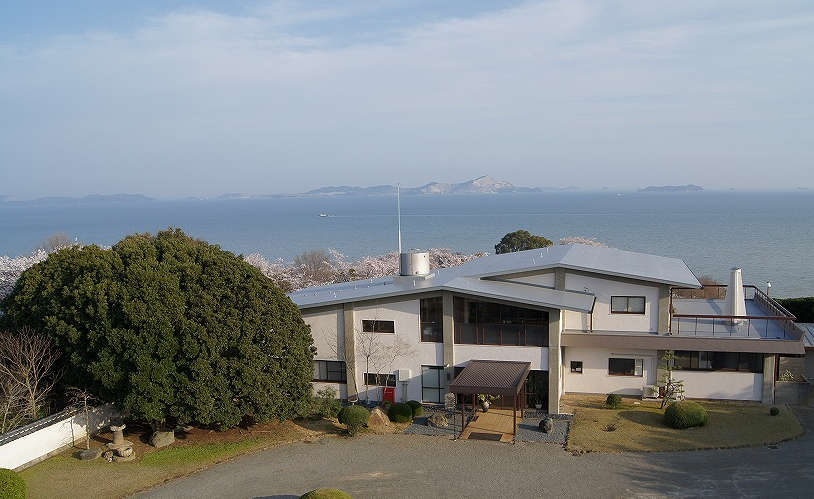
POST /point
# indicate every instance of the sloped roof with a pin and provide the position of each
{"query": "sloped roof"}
(478, 276)
(492, 377)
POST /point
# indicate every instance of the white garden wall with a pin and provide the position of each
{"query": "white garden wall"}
(42, 439)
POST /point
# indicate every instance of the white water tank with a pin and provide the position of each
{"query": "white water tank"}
(414, 263)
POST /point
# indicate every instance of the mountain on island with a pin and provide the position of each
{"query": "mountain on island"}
(90, 199)
(672, 188)
(480, 185)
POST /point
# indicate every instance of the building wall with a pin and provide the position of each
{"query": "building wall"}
(595, 377)
(602, 318)
(721, 385)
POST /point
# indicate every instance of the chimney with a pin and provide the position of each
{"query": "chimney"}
(735, 301)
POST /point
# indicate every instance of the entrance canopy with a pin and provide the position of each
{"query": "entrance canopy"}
(491, 377)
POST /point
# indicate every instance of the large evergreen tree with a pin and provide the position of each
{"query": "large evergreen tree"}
(166, 326)
(520, 240)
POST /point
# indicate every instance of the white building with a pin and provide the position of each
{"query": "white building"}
(587, 319)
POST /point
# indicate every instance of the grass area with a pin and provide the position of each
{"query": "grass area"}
(637, 427)
(200, 449)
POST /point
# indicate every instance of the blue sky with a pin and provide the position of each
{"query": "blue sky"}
(174, 99)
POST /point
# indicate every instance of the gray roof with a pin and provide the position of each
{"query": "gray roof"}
(492, 377)
(478, 277)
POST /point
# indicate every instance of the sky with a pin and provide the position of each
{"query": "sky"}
(177, 98)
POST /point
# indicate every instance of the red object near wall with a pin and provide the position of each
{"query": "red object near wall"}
(389, 394)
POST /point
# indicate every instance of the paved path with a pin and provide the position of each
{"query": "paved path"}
(418, 467)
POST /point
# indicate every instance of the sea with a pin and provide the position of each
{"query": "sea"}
(767, 234)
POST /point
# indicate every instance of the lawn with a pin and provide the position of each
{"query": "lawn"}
(637, 426)
(193, 451)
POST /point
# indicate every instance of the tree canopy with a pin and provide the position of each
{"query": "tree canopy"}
(167, 326)
(521, 240)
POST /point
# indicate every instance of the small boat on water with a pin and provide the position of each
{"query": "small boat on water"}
(323, 214)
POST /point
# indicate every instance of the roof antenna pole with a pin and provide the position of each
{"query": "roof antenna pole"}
(398, 211)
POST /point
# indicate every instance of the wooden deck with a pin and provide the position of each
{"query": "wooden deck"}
(497, 424)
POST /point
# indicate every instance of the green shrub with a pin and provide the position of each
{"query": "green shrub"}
(354, 417)
(325, 404)
(386, 405)
(400, 413)
(417, 408)
(613, 400)
(326, 494)
(774, 411)
(12, 485)
(685, 414)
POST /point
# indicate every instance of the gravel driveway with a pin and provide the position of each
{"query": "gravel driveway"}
(420, 466)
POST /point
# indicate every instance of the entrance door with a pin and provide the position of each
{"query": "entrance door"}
(537, 384)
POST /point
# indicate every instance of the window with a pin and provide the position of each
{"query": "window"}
(624, 367)
(332, 371)
(373, 379)
(627, 304)
(487, 323)
(432, 384)
(718, 361)
(432, 319)
(378, 326)
(576, 366)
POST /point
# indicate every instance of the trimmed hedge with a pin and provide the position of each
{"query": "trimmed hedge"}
(417, 408)
(354, 417)
(613, 400)
(400, 413)
(12, 485)
(326, 494)
(685, 414)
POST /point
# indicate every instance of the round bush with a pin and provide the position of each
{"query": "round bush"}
(685, 414)
(12, 485)
(326, 494)
(417, 408)
(400, 413)
(613, 400)
(774, 411)
(354, 417)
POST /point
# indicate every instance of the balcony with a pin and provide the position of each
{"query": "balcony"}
(699, 312)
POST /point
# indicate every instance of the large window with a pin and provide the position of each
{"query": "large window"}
(374, 379)
(488, 323)
(432, 319)
(624, 367)
(718, 361)
(627, 304)
(432, 384)
(378, 326)
(332, 371)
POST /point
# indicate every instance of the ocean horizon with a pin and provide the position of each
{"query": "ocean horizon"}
(764, 233)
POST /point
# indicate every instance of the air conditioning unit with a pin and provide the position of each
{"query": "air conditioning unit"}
(403, 375)
(650, 392)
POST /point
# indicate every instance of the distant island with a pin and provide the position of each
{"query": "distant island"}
(672, 188)
(90, 199)
(480, 185)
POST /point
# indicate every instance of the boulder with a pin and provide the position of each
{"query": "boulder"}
(438, 420)
(378, 418)
(90, 454)
(162, 438)
(547, 425)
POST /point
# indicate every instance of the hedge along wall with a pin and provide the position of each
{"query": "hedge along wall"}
(802, 308)
(30, 444)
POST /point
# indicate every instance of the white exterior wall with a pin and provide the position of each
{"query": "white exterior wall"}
(45, 442)
(538, 356)
(546, 279)
(406, 317)
(721, 385)
(595, 377)
(603, 320)
(327, 330)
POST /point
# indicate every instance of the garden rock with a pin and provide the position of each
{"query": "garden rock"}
(90, 454)
(162, 438)
(438, 420)
(123, 452)
(547, 425)
(378, 418)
